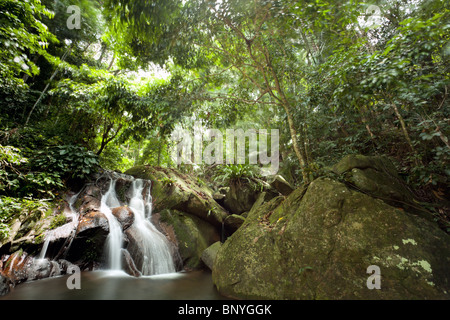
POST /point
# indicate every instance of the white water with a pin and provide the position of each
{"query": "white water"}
(63, 231)
(155, 247)
(115, 237)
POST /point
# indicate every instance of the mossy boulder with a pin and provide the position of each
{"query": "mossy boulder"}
(377, 176)
(281, 185)
(193, 236)
(174, 190)
(319, 242)
(233, 222)
(210, 253)
(242, 194)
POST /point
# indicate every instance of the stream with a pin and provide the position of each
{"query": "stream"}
(117, 285)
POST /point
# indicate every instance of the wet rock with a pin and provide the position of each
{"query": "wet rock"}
(92, 220)
(65, 266)
(89, 241)
(124, 215)
(15, 266)
(129, 265)
(134, 249)
(4, 285)
(89, 199)
(38, 269)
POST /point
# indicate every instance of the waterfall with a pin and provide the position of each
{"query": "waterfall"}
(62, 231)
(153, 245)
(115, 237)
(155, 248)
(48, 237)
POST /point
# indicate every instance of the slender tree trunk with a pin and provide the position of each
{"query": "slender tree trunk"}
(366, 123)
(403, 124)
(112, 62)
(102, 53)
(295, 145)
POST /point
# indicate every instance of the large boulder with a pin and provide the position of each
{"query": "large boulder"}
(377, 177)
(319, 242)
(89, 240)
(174, 190)
(240, 197)
(192, 236)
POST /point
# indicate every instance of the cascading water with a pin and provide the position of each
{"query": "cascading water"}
(63, 231)
(153, 246)
(115, 238)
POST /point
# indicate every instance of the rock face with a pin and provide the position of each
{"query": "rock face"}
(319, 242)
(193, 236)
(210, 254)
(124, 215)
(241, 194)
(281, 185)
(377, 177)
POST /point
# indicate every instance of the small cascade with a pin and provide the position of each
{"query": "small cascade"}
(146, 250)
(150, 247)
(157, 258)
(65, 231)
(48, 238)
(115, 238)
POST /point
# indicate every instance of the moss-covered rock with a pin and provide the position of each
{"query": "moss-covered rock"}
(173, 190)
(193, 236)
(281, 185)
(319, 242)
(377, 176)
(210, 253)
(233, 222)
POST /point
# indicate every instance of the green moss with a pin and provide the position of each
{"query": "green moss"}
(57, 221)
(193, 234)
(318, 244)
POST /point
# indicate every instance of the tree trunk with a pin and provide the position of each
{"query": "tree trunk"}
(366, 123)
(112, 62)
(295, 145)
(403, 124)
(102, 53)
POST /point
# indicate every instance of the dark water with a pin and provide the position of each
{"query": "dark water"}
(106, 285)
